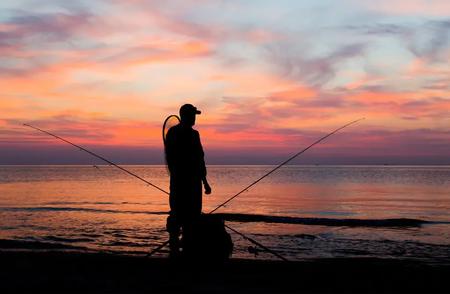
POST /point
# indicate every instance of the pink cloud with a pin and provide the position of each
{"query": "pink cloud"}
(407, 7)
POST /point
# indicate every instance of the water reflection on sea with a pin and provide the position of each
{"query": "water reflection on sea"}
(79, 207)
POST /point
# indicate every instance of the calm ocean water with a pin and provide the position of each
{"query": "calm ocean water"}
(103, 209)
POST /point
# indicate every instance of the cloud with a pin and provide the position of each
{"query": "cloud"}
(159, 52)
(432, 41)
(34, 42)
(378, 29)
(281, 118)
(406, 7)
(293, 62)
(429, 40)
(417, 142)
(64, 42)
(351, 146)
(27, 30)
(82, 128)
(50, 26)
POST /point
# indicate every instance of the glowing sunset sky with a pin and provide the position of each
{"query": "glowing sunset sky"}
(269, 76)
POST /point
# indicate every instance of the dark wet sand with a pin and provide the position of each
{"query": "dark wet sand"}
(65, 272)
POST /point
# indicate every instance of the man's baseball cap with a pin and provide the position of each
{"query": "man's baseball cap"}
(189, 109)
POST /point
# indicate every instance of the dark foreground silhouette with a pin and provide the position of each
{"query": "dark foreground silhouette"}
(65, 272)
(203, 236)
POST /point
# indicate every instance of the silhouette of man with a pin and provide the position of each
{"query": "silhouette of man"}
(185, 160)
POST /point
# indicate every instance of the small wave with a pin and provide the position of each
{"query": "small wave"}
(67, 240)
(305, 236)
(90, 235)
(353, 252)
(394, 222)
(124, 244)
(34, 245)
(83, 209)
(93, 203)
(119, 235)
(77, 203)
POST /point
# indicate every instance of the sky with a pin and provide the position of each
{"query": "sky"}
(270, 78)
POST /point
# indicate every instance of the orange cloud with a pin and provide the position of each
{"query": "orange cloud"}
(162, 52)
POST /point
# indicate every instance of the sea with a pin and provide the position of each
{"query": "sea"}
(300, 211)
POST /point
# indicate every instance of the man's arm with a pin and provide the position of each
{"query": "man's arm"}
(203, 167)
(206, 185)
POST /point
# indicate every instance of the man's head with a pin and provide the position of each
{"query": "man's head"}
(187, 114)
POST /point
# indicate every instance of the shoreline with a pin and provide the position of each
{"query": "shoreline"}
(74, 272)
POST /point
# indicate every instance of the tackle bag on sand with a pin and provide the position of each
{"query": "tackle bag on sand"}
(207, 239)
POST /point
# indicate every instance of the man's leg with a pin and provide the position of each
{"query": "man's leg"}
(173, 227)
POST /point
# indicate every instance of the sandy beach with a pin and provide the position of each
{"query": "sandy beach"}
(66, 272)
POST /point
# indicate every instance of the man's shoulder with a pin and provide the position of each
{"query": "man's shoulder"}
(174, 129)
(178, 129)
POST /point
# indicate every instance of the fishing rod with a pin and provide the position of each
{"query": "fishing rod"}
(99, 157)
(283, 163)
(153, 185)
(258, 180)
